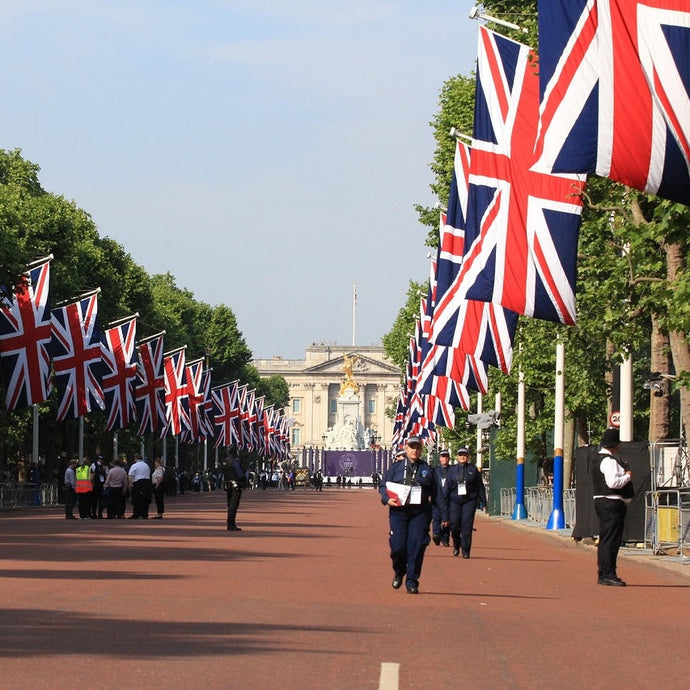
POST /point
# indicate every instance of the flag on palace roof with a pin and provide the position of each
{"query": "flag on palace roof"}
(25, 334)
(522, 226)
(615, 92)
(77, 356)
(120, 372)
(150, 385)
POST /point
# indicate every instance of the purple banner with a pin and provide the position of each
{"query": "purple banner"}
(354, 463)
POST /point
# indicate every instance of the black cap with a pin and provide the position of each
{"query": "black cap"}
(463, 451)
(413, 439)
(610, 438)
(445, 453)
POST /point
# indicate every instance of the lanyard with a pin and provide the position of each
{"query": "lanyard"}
(413, 476)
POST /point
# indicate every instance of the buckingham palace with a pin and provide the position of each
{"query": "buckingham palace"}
(337, 387)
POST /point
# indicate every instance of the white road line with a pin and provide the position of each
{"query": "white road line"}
(388, 680)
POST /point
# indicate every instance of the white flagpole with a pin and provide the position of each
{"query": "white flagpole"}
(354, 313)
(557, 518)
(626, 398)
(480, 409)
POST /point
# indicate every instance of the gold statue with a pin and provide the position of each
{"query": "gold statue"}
(349, 382)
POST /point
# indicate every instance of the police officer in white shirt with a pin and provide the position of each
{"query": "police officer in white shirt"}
(140, 488)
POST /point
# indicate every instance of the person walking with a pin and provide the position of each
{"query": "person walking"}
(234, 482)
(98, 472)
(158, 483)
(440, 531)
(84, 488)
(70, 489)
(613, 490)
(463, 493)
(409, 489)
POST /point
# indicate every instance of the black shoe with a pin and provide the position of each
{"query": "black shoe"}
(445, 543)
(456, 552)
(234, 528)
(413, 590)
(397, 582)
(611, 582)
(133, 517)
(437, 539)
(70, 517)
(465, 555)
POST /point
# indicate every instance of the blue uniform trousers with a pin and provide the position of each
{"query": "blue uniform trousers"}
(409, 537)
(461, 523)
(443, 533)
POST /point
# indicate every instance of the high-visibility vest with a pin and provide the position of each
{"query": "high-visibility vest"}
(84, 479)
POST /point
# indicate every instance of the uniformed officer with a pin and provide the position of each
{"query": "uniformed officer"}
(409, 498)
(440, 532)
(463, 493)
(234, 483)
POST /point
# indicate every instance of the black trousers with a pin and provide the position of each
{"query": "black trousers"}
(461, 523)
(234, 495)
(141, 497)
(70, 500)
(611, 513)
(159, 495)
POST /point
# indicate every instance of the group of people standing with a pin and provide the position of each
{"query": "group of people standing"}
(95, 488)
(417, 494)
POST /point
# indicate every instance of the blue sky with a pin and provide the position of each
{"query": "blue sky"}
(267, 153)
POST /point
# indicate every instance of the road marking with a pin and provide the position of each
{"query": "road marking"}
(388, 680)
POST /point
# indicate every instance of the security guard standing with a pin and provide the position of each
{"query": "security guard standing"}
(463, 493)
(440, 531)
(409, 497)
(234, 482)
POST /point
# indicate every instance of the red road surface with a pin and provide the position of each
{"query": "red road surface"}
(301, 598)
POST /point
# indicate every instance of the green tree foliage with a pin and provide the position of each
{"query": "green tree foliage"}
(396, 341)
(34, 223)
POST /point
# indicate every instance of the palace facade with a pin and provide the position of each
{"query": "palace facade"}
(315, 386)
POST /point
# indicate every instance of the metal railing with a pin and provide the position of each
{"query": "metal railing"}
(667, 520)
(539, 503)
(23, 495)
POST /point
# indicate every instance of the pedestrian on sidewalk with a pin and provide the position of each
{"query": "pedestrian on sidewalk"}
(70, 489)
(234, 482)
(613, 490)
(440, 532)
(409, 497)
(158, 483)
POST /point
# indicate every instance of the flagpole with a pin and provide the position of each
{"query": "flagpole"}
(354, 313)
(557, 519)
(480, 409)
(34, 446)
(115, 447)
(80, 443)
(626, 397)
(519, 511)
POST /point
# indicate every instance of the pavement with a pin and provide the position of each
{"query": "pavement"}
(301, 598)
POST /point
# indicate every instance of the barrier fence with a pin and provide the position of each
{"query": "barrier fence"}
(539, 503)
(20, 495)
(667, 520)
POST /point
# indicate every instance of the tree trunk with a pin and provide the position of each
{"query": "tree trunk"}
(659, 405)
(680, 350)
(568, 450)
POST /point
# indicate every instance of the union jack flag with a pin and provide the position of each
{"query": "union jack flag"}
(150, 386)
(205, 409)
(522, 226)
(77, 356)
(193, 401)
(483, 330)
(119, 358)
(615, 92)
(176, 417)
(226, 413)
(25, 334)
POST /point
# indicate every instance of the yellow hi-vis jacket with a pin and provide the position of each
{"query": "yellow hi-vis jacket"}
(84, 479)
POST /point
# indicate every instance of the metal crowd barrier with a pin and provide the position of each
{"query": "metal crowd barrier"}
(667, 520)
(539, 503)
(22, 495)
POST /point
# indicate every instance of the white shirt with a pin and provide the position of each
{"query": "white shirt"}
(139, 470)
(615, 475)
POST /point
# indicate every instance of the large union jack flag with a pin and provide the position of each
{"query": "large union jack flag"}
(77, 357)
(483, 330)
(25, 333)
(193, 401)
(150, 388)
(119, 358)
(522, 226)
(615, 92)
(226, 413)
(176, 416)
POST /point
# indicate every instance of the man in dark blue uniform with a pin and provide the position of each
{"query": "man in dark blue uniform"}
(463, 493)
(409, 489)
(440, 531)
(234, 483)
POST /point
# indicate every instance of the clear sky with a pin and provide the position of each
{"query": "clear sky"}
(267, 153)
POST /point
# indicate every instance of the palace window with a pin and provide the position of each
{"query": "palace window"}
(296, 405)
(371, 406)
(294, 436)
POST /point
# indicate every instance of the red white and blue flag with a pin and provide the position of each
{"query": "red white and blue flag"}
(522, 226)
(150, 385)
(25, 334)
(77, 357)
(119, 358)
(176, 416)
(226, 413)
(483, 330)
(205, 409)
(615, 92)
(193, 401)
